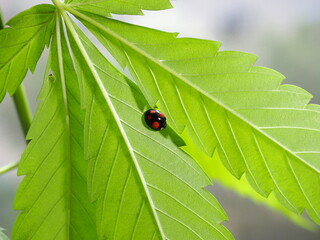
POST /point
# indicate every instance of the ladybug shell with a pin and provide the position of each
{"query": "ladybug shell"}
(155, 119)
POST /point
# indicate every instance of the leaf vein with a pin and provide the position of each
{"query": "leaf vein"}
(178, 221)
(301, 188)
(164, 146)
(189, 209)
(242, 154)
(121, 201)
(270, 172)
(180, 179)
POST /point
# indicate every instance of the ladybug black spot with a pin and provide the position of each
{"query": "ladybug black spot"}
(155, 119)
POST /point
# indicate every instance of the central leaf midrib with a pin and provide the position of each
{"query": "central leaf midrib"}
(67, 117)
(185, 80)
(113, 111)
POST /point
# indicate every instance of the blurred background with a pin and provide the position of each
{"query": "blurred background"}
(284, 34)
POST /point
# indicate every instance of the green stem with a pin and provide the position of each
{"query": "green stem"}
(9, 167)
(23, 109)
(1, 20)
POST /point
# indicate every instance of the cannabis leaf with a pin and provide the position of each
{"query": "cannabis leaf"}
(95, 171)
(22, 44)
(141, 180)
(53, 195)
(261, 128)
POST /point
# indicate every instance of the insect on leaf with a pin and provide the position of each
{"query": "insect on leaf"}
(144, 185)
(259, 127)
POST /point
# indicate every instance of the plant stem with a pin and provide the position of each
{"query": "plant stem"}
(23, 108)
(1, 20)
(9, 167)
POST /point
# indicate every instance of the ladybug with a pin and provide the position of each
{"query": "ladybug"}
(155, 119)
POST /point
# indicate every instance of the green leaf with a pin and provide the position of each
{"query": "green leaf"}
(2, 235)
(53, 194)
(217, 171)
(128, 7)
(22, 44)
(244, 189)
(144, 185)
(259, 127)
